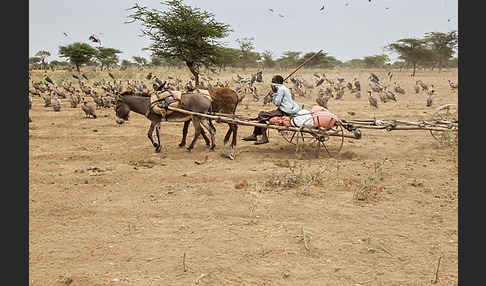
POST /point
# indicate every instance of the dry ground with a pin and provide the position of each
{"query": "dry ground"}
(104, 209)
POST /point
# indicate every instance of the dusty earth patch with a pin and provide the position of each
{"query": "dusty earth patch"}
(104, 209)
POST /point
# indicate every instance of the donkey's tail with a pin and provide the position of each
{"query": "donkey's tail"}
(239, 99)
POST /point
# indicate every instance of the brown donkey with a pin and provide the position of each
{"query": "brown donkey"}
(223, 100)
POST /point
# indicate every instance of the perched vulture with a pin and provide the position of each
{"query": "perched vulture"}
(49, 80)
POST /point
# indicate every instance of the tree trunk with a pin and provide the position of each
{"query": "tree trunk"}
(194, 72)
(414, 65)
(77, 68)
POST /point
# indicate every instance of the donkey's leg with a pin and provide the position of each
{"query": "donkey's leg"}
(233, 141)
(157, 131)
(203, 133)
(150, 132)
(228, 134)
(196, 121)
(184, 133)
(212, 131)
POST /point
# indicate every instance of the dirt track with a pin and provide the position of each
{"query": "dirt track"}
(106, 210)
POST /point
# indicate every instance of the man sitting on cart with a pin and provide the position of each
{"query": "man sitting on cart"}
(282, 98)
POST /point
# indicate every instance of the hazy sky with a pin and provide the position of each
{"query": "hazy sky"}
(346, 29)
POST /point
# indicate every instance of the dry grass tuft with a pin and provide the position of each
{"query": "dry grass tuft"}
(370, 188)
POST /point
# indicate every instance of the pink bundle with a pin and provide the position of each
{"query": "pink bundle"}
(322, 117)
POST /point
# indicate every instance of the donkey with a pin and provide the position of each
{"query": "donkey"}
(191, 102)
(224, 100)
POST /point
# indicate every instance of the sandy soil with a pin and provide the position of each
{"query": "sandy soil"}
(104, 209)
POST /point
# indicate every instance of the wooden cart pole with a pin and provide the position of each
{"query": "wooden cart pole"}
(302, 64)
(298, 68)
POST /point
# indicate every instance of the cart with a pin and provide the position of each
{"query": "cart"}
(443, 119)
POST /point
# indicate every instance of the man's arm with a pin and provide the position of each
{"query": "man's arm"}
(278, 97)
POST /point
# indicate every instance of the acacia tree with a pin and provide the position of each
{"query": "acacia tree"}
(412, 51)
(107, 56)
(182, 32)
(141, 61)
(246, 46)
(443, 45)
(78, 53)
(289, 59)
(34, 60)
(227, 57)
(376, 61)
(267, 59)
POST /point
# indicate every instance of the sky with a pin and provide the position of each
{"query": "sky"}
(345, 29)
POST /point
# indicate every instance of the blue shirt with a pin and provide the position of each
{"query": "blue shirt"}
(283, 100)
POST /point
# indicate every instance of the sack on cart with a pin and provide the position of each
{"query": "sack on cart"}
(303, 118)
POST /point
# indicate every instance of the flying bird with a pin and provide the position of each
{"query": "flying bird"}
(322, 8)
(75, 76)
(271, 10)
(281, 16)
(93, 39)
(65, 34)
(84, 76)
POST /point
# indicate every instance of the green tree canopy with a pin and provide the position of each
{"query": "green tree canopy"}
(126, 63)
(443, 46)
(268, 60)
(156, 61)
(289, 59)
(354, 63)
(183, 32)
(247, 45)
(228, 57)
(141, 61)
(56, 63)
(78, 53)
(411, 50)
(323, 60)
(107, 57)
(376, 61)
(34, 60)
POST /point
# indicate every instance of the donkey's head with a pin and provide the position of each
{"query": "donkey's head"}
(121, 109)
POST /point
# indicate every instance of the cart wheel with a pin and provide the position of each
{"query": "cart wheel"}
(332, 141)
(446, 113)
(293, 137)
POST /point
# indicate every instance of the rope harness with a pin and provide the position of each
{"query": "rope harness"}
(163, 102)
